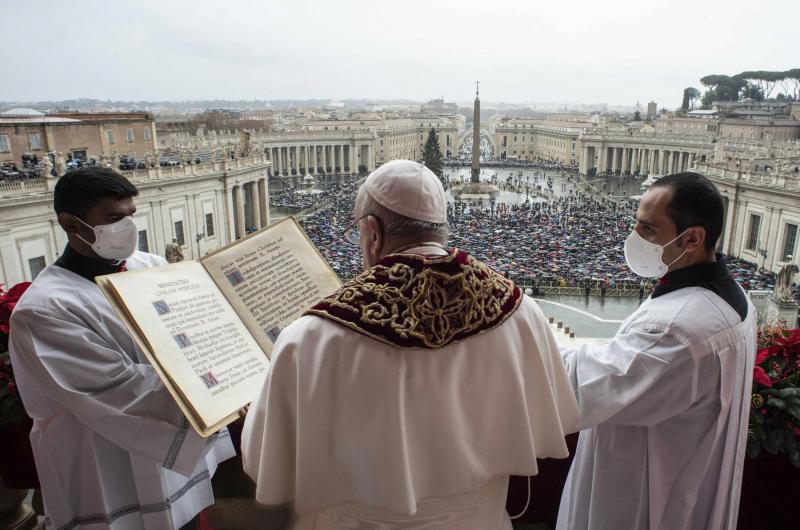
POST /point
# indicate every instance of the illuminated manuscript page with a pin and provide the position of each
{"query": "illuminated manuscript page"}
(194, 336)
(271, 277)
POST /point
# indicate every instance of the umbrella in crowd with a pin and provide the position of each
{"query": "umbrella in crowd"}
(571, 241)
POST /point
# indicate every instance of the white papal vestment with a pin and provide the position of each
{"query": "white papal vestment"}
(357, 433)
(112, 449)
(665, 408)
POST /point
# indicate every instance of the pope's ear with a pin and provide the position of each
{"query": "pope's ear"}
(68, 223)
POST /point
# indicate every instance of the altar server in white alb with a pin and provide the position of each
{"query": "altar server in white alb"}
(112, 449)
(664, 406)
(409, 396)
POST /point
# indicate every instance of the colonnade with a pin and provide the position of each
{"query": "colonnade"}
(301, 159)
(636, 160)
(250, 206)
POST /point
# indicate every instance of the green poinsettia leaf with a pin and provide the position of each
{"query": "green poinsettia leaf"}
(777, 403)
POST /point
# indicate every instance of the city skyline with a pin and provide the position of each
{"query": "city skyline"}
(582, 53)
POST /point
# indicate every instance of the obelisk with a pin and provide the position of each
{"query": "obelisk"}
(476, 137)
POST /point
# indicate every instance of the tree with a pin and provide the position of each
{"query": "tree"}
(690, 94)
(637, 116)
(765, 80)
(721, 88)
(794, 76)
(432, 154)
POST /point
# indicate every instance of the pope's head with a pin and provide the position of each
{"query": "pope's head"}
(400, 204)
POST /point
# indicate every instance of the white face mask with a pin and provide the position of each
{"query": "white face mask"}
(115, 241)
(645, 258)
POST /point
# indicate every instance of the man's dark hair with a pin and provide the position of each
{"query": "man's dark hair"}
(695, 202)
(79, 191)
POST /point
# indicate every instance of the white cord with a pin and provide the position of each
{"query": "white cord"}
(527, 503)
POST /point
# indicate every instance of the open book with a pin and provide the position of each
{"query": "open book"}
(208, 326)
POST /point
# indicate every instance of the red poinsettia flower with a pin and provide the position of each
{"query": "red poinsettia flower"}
(762, 355)
(791, 341)
(7, 302)
(761, 377)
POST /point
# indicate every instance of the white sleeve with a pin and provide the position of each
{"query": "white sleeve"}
(269, 444)
(642, 377)
(123, 401)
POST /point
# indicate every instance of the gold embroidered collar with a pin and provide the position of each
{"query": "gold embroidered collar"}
(414, 301)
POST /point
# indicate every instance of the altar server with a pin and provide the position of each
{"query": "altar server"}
(112, 448)
(664, 406)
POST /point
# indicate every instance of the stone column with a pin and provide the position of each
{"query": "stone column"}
(584, 165)
(601, 160)
(255, 206)
(313, 159)
(614, 160)
(353, 163)
(263, 202)
(624, 168)
(299, 160)
(238, 199)
(370, 158)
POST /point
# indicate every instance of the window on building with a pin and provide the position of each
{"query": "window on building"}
(129, 134)
(36, 141)
(209, 224)
(147, 134)
(36, 265)
(179, 232)
(755, 228)
(4, 143)
(110, 136)
(143, 244)
(789, 242)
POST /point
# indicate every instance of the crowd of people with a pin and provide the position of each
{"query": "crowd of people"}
(570, 241)
(289, 199)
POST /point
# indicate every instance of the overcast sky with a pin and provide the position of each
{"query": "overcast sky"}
(613, 51)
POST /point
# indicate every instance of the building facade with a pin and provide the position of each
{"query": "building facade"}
(538, 139)
(762, 208)
(202, 206)
(77, 135)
